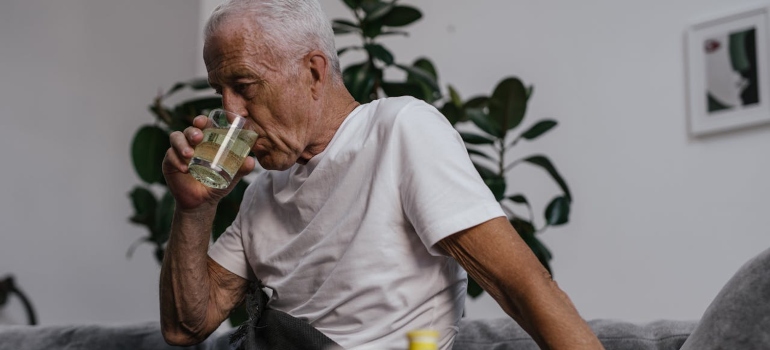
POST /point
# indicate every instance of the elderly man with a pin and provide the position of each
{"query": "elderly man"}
(365, 216)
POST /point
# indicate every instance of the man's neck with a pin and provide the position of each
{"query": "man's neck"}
(335, 111)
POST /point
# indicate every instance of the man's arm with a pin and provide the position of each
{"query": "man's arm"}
(196, 293)
(500, 261)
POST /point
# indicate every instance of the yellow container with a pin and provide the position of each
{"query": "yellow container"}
(423, 339)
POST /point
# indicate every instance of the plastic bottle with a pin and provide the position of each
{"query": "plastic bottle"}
(423, 339)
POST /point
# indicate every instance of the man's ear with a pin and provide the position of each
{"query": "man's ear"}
(318, 65)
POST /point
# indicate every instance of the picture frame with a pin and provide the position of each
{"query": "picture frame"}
(728, 71)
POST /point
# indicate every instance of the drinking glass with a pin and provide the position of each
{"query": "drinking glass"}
(224, 148)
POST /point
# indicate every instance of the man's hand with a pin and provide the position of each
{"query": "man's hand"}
(500, 261)
(188, 192)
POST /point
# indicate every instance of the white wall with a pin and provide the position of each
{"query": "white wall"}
(75, 81)
(660, 220)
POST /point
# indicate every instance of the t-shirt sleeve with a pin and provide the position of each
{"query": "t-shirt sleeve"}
(228, 249)
(441, 191)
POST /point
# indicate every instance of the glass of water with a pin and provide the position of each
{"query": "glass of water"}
(224, 148)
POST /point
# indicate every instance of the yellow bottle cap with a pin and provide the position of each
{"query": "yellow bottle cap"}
(423, 339)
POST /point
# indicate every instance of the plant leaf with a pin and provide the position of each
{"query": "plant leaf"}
(184, 112)
(341, 26)
(376, 10)
(477, 102)
(479, 153)
(485, 172)
(482, 120)
(455, 97)
(519, 198)
(402, 89)
(144, 203)
(474, 139)
(474, 290)
(347, 48)
(538, 129)
(394, 32)
(227, 209)
(353, 4)
(199, 84)
(527, 232)
(420, 74)
(494, 181)
(371, 29)
(147, 151)
(557, 212)
(508, 103)
(401, 16)
(523, 227)
(497, 186)
(431, 91)
(195, 84)
(359, 79)
(380, 52)
(163, 218)
(161, 113)
(451, 112)
(546, 164)
(159, 252)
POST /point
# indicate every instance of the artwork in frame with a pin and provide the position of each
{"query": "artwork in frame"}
(727, 70)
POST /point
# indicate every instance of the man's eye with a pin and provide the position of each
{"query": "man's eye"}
(241, 88)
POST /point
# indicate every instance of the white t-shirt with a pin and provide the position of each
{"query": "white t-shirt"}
(347, 241)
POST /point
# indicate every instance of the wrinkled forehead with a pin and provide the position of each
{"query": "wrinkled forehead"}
(237, 51)
(234, 36)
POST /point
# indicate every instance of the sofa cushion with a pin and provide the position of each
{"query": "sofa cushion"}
(505, 334)
(91, 337)
(739, 317)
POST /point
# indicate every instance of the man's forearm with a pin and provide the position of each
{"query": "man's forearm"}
(549, 316)
(184, 278)
(500, 261)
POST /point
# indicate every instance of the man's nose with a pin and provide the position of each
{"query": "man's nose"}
(233, 102)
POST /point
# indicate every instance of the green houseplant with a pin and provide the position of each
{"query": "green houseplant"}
(497, 118)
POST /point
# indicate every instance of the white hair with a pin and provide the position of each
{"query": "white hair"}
(290, 28)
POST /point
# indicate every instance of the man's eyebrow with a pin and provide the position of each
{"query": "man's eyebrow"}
(239, 73)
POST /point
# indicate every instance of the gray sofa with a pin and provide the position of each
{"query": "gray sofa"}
(738, 318)
(499, 334)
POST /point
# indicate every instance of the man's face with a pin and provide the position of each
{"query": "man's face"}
(255, 85)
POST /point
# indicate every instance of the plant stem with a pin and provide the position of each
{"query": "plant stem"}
(513, 164)
(502, 158)
(514, 142)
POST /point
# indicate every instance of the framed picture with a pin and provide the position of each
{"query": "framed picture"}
(728, 72)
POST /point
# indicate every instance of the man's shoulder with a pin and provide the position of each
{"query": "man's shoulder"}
(390, 112)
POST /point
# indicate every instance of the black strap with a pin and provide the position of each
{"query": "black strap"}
(269, 329)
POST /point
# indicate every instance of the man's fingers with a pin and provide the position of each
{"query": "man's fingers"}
(176, 163)
(248, 166)
(194, 135)
(181, 145)
(202, 122)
